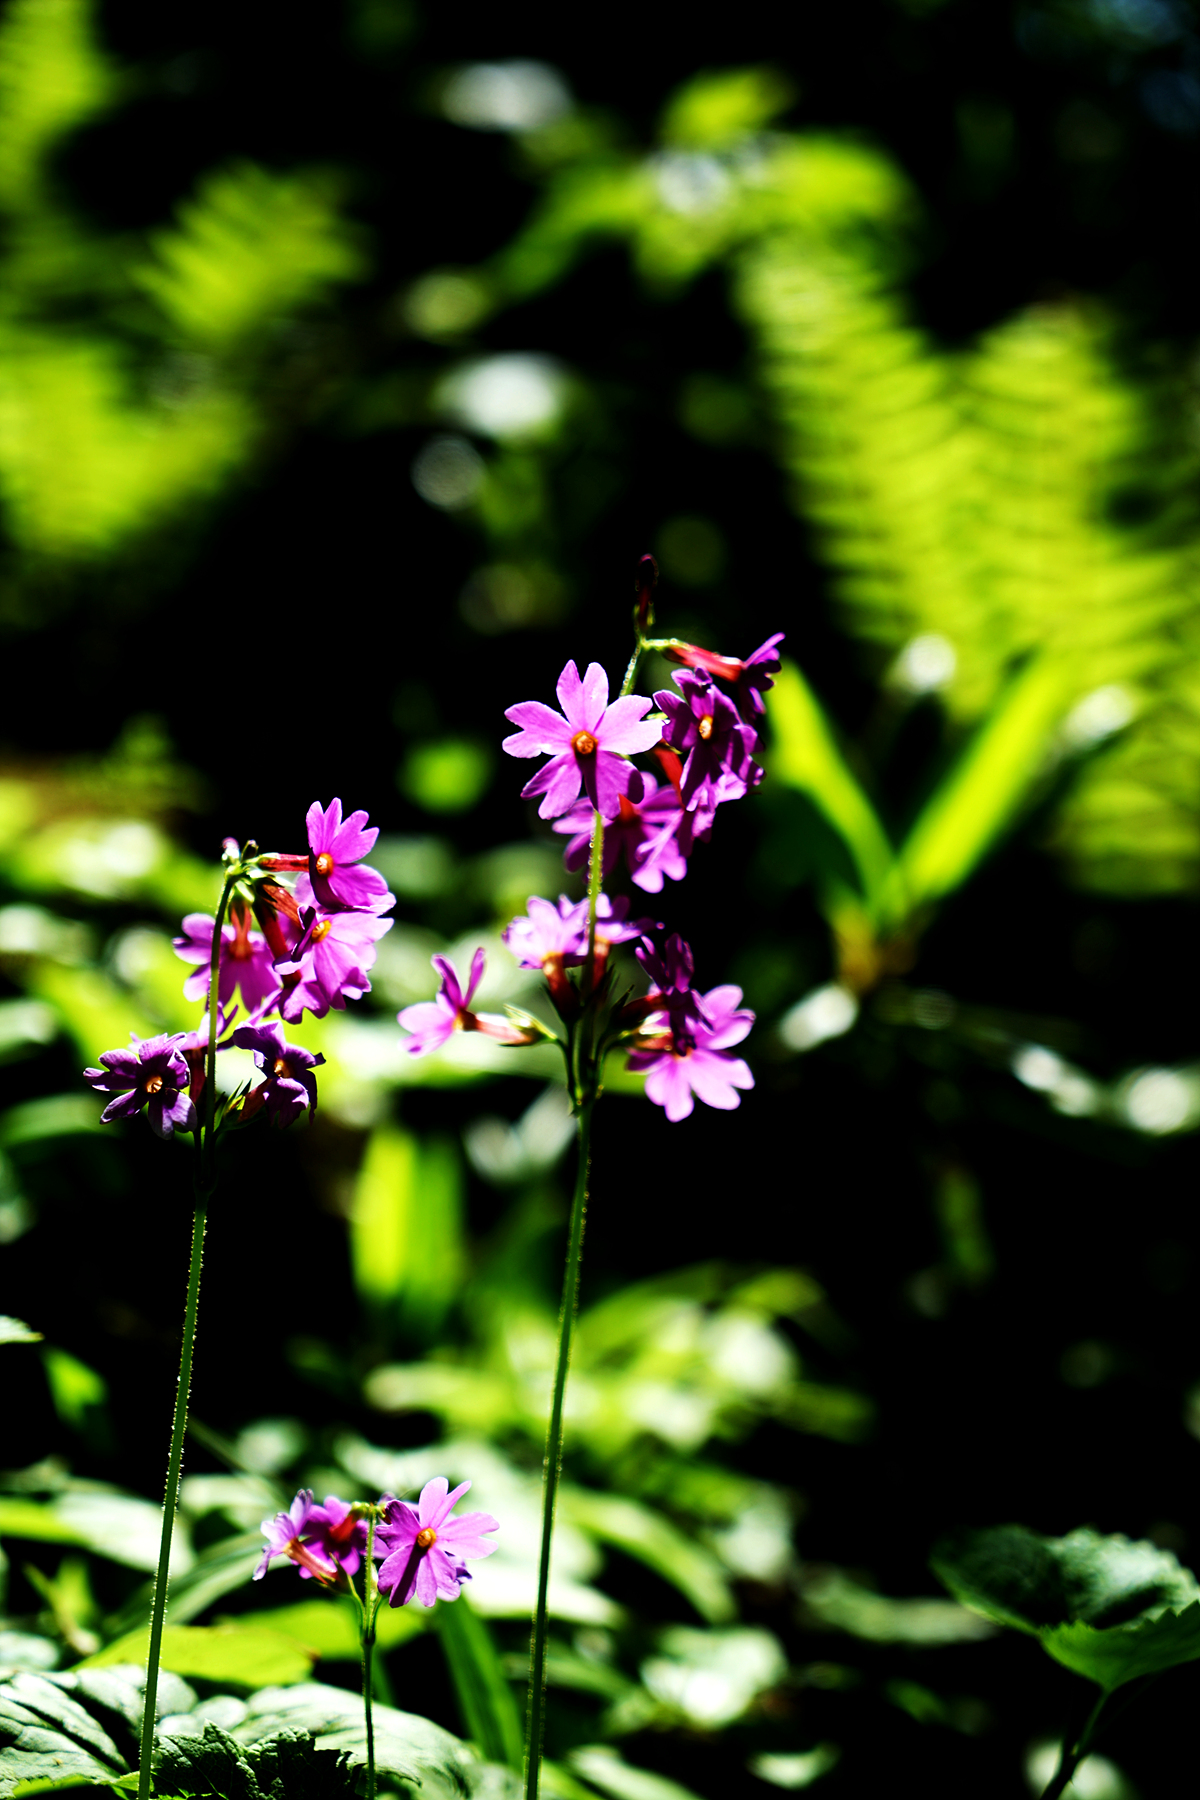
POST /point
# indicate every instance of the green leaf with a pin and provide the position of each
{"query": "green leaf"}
(329, 1629)
(286, 1767)
(245, 1653)
(647, 1535)
(607, 1769)
(15, 1331)
(805, 756)
(1107, 1608)
(406, 1746)
(47, 1735)
(488, 1708)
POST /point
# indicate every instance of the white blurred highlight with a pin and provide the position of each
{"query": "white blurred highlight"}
(505, 396)
(925, 664)
(827, 1012)
(506, 96)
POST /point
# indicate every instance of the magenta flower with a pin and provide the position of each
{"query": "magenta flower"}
(290, 1086)
(750, 676)
(671, 977)
(719, 747)
(153, 1073)
(424, 1548)
(549, 934)
(331, 960)
(246, 962)
(335, 848)
(638, 829)
(432, 1022)
(325, 1541)
(587, 743)
(701, 1066)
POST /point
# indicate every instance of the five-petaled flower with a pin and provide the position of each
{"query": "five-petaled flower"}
(699, 1062)
(645, 832)
(336, 847)
(246, 961)
(325, 1541)
(425, 1548)
(153, 1073)
(329, 963)
(588, 742)
(291, 1086)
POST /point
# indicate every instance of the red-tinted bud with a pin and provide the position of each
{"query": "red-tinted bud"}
(729, 668)
(272, 930)
(292, 865)
(645, 582)
(282, 901)
(671, 767)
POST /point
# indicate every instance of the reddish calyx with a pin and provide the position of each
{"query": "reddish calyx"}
(627, 809)
(672, 768)
(291, 865)
(729, 668)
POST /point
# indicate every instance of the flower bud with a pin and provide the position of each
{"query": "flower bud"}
(645, 581)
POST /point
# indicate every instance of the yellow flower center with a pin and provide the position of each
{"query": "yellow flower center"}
(322, 930)
(282, 1067)
(324, 863)
(705, 727)
(583, 743)
(153, 1084)
(426, 1538)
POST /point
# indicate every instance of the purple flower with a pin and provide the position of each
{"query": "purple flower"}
(702, 1066)
(153, 1073)
(246, 961)
(671, 975)
(644, 832)
(325, 1541)
(331, 960)
(705, 724)
(335, 847)
(290, 1086)
(750, 675)
(433, 1021)
(587, 746)
(548, 933)
(424, 1548)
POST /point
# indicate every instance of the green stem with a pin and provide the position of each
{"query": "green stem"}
(370, 1607)
(552, 1468)
(171, 1499)
(632, 669)
(208, 1173)
(1072, 1756)
(595, 880)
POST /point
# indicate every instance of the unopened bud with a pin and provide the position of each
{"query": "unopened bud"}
(645, 582)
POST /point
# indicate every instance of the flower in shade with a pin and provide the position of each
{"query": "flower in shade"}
(697, 1064)
(336, 847)
(290, 1086)
(330, 961)
(750, 675)
(719, 746)
(424, 1548)
(671, 973)
(325, 1541)
(644, 832)
(153, 1073)
(246, 960)
(587, 742)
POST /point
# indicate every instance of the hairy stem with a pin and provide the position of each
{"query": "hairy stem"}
(370, 1607)
(552, 1468)
(208, 1164)
(1072, 1755)
(171, 1498)
(595, 881)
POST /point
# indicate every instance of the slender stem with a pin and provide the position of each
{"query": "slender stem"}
(370, 1607)
(595, 879)
(171, 1499)
(1072, 1755)
(552, 1468)
(208, 1160)
(632, 669)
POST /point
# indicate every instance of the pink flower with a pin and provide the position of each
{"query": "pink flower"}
(698, 1063)
(719, 746)
(246, 961)
(750, 676)
(330, 960)
(587, 743)
(432, 1022)
(153, 1073)
(335, 847)
(424, 1548)
(325, 1541)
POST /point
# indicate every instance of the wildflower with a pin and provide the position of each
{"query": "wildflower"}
(330, 961)
(325, 1541)
(703, 722)
(335, 849)
(639, 827)
(194, 1046)
(587, 743)
(424, 1548)
(290, 1086)
(749, 675)
(671, 973)
(153, 1073)
(246, 962)
(698, 1061)
(433, 1022)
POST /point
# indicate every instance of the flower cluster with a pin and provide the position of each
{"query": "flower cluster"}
(704, 740)
(422, 1550)
(300, 935)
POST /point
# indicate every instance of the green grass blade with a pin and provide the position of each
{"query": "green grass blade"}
(489, 1711)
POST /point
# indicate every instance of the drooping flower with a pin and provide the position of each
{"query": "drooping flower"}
(719, 746)
(291, 1086)
(424, 1549)
(701, 1065)
(671, 973)
(750, 676)
(325, 1541)
(330, 961)
(638, 828)
(153, 1073)
(246, 961)
(554, 938)
(587, 743)
(336, 848)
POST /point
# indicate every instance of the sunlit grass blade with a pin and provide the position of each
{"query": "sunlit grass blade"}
(490, 1714)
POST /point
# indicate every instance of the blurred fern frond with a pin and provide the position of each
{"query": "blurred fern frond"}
(52, 78)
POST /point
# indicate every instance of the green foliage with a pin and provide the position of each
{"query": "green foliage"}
(287, 1767)
(52, 78)
(1107, 1608)
(485, 1699)
(713, 111)
(241, 1652)
(406, 1227)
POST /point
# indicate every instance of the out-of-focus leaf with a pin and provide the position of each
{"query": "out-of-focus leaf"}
(216, 1571)
(488, 1708)
(22, 1650)
(245, 1653)
(712, 111)
(987, 786)
(328, 1628)
(607, 1769)
(52, 78)
(836, 1602)
(650, 1538)
(1106, 1607)
(806, 757)
(47, 1734)
(712, 1677)
(15, 1331)
(55, 1115)
(405, 1225)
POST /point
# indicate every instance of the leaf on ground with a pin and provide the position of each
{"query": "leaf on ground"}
(285, 1767)
(247, 1654)
(406, 1746)
(1109, 1608)
(45, 1734)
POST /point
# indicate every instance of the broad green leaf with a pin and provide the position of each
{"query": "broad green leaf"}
(16, 1331)
(647, 1535)
(288, 1767)
(1106, 1607)
(34, 1519)
(805, 756)
(329, 1629)
(484, 1695)
(249, 1654)
(47, 1734)
(607, 1769)
(406, 1746)
(837, 1603)
(985, 789)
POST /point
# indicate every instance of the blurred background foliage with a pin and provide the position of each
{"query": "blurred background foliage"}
(344, 372)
